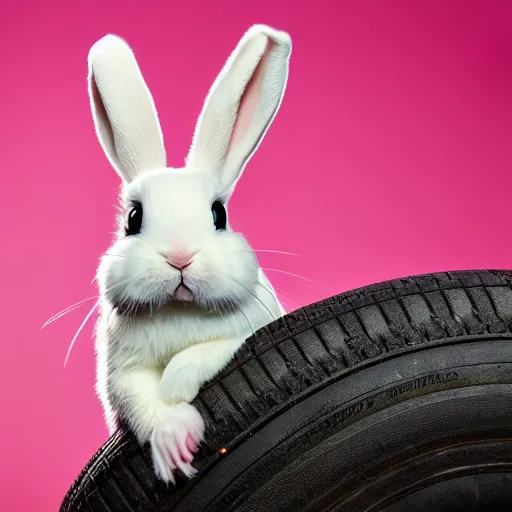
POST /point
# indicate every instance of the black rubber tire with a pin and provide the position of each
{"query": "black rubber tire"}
(393, 397)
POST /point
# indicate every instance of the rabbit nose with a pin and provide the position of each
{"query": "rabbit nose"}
(180, 259)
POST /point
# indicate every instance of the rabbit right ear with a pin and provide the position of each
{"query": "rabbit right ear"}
(241, 105)
(124, 114)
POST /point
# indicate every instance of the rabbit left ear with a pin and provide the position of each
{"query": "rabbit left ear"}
(123, 111)
(241, 105)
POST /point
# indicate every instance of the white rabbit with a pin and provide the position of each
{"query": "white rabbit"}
(179, 291)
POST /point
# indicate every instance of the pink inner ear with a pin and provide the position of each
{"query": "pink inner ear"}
(101, 113)
(250, 99)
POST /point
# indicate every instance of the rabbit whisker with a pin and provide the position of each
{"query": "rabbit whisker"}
(265, 250)
(80, 303)
(288, 296)
(286, 253)
(294, 275)
(253, 332)
(82, 325)
(67, 310)
(255, 296)
(123, 256)
(282, 292)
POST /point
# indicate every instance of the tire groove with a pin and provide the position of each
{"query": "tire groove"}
(323, 343)
(476, 310)
(363, 327)
(267, 372)
(399, 301)
(450, 307)
(386, 320)
(234, 404)
(348, 341)
(491, 301)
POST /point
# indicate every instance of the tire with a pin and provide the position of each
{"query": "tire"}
(391, 398)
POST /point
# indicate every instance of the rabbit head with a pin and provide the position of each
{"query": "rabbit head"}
(175, 241)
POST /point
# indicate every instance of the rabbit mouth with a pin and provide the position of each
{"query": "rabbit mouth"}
(183, 293)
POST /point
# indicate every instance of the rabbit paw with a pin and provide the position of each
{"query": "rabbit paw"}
(174, 440)
(179, 382)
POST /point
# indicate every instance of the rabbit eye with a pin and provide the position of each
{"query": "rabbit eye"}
(134, 220)
(219, 215)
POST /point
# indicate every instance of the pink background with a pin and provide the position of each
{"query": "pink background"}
(391, 156)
